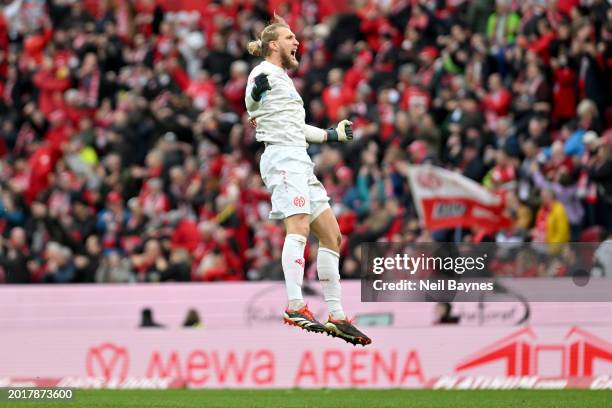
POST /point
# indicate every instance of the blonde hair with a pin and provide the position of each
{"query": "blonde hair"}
(261, 46)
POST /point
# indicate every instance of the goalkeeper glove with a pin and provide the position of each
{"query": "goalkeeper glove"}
(261, 85)
(342, 133)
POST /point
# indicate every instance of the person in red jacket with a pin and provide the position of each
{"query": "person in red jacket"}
(541, 43)
(564, 90)
(42, 162)
(336, 94)
(51, 86)
(185, 235)
(202, 90)
(234, 88)
(496, 102)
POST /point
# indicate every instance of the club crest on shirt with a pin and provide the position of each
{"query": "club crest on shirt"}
(299, 201)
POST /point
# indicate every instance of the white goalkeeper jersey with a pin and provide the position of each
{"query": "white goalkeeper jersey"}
(280, 113)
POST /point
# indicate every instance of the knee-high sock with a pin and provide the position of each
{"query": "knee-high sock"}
(293, 263)
(329, 276)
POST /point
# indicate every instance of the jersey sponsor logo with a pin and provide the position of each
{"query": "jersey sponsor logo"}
(299, 201)
(301, 262)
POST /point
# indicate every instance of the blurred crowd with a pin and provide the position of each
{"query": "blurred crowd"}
(126, 154)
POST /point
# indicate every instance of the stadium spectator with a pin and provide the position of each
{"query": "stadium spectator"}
(124, 140)
(14, 257)
(192, 319)
(114, 269)
(444, 314)
(551, 222)
(88, 264)
(58, 264)
(147, 320)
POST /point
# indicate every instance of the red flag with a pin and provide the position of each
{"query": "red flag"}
(445, 199)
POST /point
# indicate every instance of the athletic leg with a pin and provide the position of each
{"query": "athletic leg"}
(297, 313)
(292, 258)
(286, 172)
(326, 228)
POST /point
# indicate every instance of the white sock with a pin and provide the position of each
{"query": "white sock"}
(293, 267)
(329, 276)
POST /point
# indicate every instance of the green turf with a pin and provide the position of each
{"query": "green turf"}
(329, 398)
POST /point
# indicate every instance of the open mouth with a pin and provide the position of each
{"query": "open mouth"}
(294, 53)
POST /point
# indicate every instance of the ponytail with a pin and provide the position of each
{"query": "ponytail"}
(261, 47)
(255, 48)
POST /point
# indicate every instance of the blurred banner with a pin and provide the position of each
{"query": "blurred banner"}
(445, 199)
(259, 306)
(435, 357)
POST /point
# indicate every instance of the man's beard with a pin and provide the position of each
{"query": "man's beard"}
(287, 61)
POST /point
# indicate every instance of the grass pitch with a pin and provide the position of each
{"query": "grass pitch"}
(328, 398)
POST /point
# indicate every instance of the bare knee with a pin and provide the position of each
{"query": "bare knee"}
(332, 240)
(298, 224)
(326, 228)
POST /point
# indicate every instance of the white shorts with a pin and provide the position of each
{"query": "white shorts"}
(288, 173)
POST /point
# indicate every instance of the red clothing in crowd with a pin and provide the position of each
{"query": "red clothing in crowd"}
(502, 174)
(154, 203)
(34, 47)
(144, 10)
(564, 94)
(335, 97)
(358, 72)
(426, 75)
(75, 114)
(180, 77)
(51, 90)
(185, 235)
(234, 93)
(553, 167)
(496, 105)
(163, 48)
(541, 46)
(386, 113)
(566, 6)
(498, 102)
(414, 96)
(59, 132)
(212, 13)
(4, 43)
(373, 27)
(222, 263)
(202, 92)
(3, 148)
(42, 162)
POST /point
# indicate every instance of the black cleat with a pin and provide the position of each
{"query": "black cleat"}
(303, 319)
(346, 331)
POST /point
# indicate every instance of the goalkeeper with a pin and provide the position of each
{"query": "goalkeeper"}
(298, 197)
